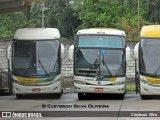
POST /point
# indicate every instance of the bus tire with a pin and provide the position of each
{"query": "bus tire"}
(58, 95)
(62, 91)
(143, 97)
(121, 96)
(81, 96)
(19, 96)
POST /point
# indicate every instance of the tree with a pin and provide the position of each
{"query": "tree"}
(10, 22)
(121, 14)
(152, 13)
(71, 15)
(61, 15)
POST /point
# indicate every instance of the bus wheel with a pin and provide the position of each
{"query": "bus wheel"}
(19, 96)
(81, 96)
(121, 96)
(143, 97)
(62, 91)
(57, 95)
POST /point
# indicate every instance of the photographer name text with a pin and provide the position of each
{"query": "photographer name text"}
(74, 106)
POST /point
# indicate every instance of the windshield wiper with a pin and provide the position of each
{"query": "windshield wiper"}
(42, 65)
(104, 63)
(94, 66)
(55, 66)
(27, 70)
(120, 70)
(52, 73)
(156, 71)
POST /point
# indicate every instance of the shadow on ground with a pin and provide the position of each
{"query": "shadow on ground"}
(102, 96)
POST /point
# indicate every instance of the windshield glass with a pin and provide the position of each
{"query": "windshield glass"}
(106, 62)
(47, 55)
(35, 58)
(112, 62)
(150, 56)
(87, 61)
(101, 41)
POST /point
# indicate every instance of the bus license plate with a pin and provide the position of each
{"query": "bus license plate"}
(36, 90)
(98, 89)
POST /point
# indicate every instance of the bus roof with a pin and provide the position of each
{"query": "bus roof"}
(37, 33)
(105, 31)
(151, 31)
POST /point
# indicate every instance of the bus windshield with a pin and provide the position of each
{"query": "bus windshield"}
(150, 57)
(100, 55)
(35, 58)
(105, 62)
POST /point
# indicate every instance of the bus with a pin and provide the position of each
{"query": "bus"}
(34, 61)
(147, 59)
(99, 56)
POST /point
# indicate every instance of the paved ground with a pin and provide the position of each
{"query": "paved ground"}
(106, 105)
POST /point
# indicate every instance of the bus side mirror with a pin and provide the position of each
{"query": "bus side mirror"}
(8, 52)
(70, 52)
(128, 54)
(62, 51)
(136, 51)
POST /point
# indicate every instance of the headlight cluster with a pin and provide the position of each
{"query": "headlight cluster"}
(149, 83)
(119, 83)
(80, 82)
(18, 82)
(54, 81)
(145, 81)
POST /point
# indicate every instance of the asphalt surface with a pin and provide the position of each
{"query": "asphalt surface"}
(68, 107)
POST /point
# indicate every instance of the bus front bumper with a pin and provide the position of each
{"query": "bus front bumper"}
(53, 88)
(115, 89)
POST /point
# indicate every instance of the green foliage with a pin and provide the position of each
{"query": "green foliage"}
(61, 15)
(152, 13)
(10, 22)
(70, 15)
(121, 14)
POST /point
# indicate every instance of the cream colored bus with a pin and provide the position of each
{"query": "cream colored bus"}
(36, 61)
(99, 57)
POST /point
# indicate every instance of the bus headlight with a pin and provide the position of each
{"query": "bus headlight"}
(54, 81)
(80, 82)
(145, 81)
(119, 83)
(16, 81)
